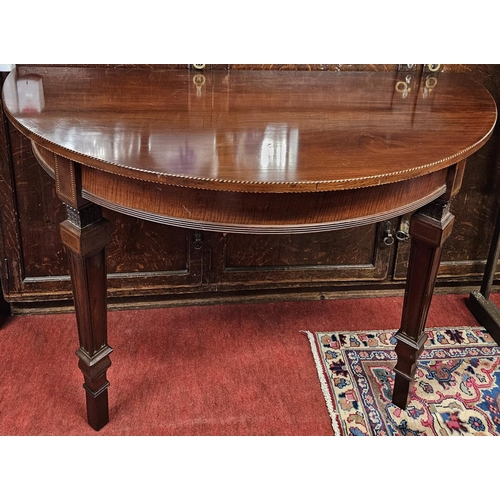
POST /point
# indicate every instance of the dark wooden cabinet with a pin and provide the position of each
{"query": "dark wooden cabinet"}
(150, 264)
(292, 261)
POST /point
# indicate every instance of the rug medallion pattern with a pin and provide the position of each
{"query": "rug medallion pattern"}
(456, 389)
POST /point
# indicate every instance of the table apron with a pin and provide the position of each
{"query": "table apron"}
(260, 213)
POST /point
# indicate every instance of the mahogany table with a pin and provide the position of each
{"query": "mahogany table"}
(250, 152)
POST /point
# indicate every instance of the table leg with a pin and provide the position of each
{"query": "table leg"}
(430, 226)
(4, 308)
(85, 235)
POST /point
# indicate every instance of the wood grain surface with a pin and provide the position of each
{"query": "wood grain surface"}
(272, 131)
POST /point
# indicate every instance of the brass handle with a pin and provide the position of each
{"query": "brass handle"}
(430, 82)
(199, 66)
(401, 86)
(199, 80)
(434, 67)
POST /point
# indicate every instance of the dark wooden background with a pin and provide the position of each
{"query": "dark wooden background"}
(150, 264)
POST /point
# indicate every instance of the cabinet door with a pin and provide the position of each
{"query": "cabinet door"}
(143, 258)
(301, 260)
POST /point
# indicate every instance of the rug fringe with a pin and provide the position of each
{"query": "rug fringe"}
(323, 383)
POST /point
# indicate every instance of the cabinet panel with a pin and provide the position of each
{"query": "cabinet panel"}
(39, 213)
(250, 261)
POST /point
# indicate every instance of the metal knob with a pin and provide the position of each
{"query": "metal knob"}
(199, 81)
(434, 67)
(403, 233)
(198, 242)
(389, 237)
(430, 82)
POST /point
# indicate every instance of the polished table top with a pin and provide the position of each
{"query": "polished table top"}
(253, 131)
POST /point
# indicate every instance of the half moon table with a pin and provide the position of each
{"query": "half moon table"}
(258, 152)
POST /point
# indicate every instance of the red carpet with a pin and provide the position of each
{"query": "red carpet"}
(206, 370)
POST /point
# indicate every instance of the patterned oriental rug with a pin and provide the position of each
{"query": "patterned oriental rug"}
(456, 389)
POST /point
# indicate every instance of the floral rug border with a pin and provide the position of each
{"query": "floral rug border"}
(459, 346)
